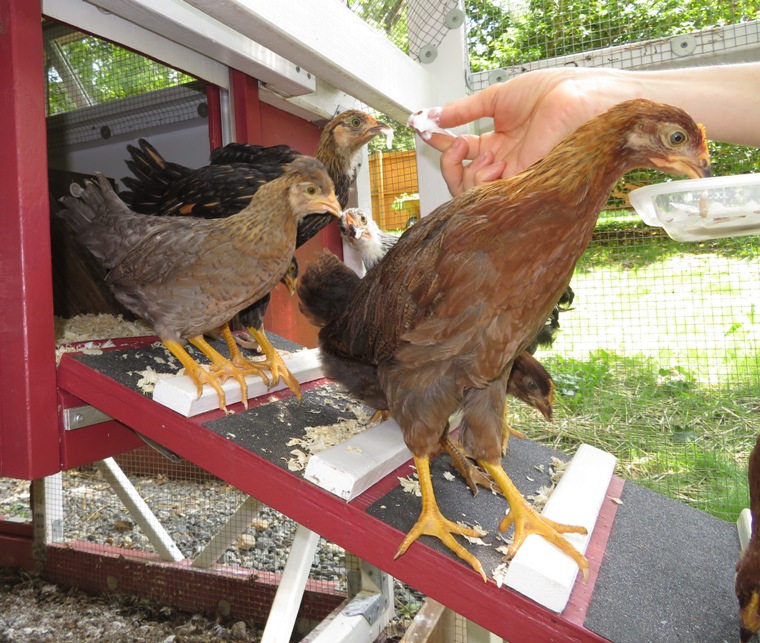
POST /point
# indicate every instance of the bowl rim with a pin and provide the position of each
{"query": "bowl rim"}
(641, 198)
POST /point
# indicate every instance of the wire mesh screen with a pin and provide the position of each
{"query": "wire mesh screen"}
(83, 70)
(395, 193)
(507, 38)
(657, 362)
(415, 27)
(97, 90)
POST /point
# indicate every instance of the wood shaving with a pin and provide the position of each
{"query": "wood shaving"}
(541, 496)
(499, 574)
(411, 485)
(149, 378)
(319, 438)
(473, 540)
(617, 501)
(556, 471)
(88, 327)
(448, 475)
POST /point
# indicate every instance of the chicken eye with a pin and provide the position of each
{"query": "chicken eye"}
(311, 190)
(364, 219)
(678, 137)
(356, 122)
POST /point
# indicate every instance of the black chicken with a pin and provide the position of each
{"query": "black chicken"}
(226, 185)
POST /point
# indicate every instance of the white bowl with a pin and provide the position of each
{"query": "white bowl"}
(698, 209)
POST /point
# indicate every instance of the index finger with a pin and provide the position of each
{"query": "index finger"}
(468, 109)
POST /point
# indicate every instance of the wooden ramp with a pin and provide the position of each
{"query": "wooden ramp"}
(660, 571)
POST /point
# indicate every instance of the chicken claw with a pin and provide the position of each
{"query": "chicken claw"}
(275, 363)
(221, 368)
(460, 461)
(245, 365)
(528, 521)
(432, 522)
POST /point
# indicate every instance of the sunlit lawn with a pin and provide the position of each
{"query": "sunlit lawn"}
(658, 363)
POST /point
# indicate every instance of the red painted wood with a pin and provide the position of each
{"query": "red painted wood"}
(580, 599)
(16, 552)
(28, 418)
(16, 544)
(499, 610)
(246, 107)
(92, 443)
(250, 593)
(214, 117)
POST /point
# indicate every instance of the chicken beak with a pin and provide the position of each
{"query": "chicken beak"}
(328, 204)
(386, 130)
(694, 168)
(353, 230)
(541, 405)
(290, 283)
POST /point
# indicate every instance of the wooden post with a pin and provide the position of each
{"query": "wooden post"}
(28, 417)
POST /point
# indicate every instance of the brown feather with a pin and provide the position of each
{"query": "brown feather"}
(464, 291)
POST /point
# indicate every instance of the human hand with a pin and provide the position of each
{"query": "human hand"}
(531, 114)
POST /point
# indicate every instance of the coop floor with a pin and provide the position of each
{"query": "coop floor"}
(666, 574)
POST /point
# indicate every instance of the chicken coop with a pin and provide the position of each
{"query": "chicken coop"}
(655, 361)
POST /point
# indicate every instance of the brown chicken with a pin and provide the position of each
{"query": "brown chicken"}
(190, 276)
(442, 317)
(226, 185)
(528, 381)
(748, 569)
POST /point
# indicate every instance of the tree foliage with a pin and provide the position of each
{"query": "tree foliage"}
(541, 29)
(538, 29)
(105, 72)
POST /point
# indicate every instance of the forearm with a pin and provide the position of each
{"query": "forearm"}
(723, 98)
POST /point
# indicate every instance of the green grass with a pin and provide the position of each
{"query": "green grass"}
(658, 363)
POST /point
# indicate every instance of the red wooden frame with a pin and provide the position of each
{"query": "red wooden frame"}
(28, 417)
(346, 524)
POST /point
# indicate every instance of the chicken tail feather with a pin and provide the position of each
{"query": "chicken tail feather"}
(153, 175)
(326, 289)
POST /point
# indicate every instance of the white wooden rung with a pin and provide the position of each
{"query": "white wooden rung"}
(139, 510)
(180, 394)
(287, 600)
(541, 571)
(744, 527)
(351, 467)
(236, 524)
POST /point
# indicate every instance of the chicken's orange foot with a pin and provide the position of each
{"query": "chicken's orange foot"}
(222, 369)
(196, 372)
(461, 462)
(432, 522)
(236, 357)
(275, 363)
(380, 415)
(528, 521)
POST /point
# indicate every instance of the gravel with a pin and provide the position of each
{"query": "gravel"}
(32, 609)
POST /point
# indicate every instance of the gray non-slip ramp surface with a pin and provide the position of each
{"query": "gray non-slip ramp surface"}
(667, 574)
(668, 570)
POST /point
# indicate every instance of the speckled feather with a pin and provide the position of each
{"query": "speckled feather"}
(237, 170)
(188, 276)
